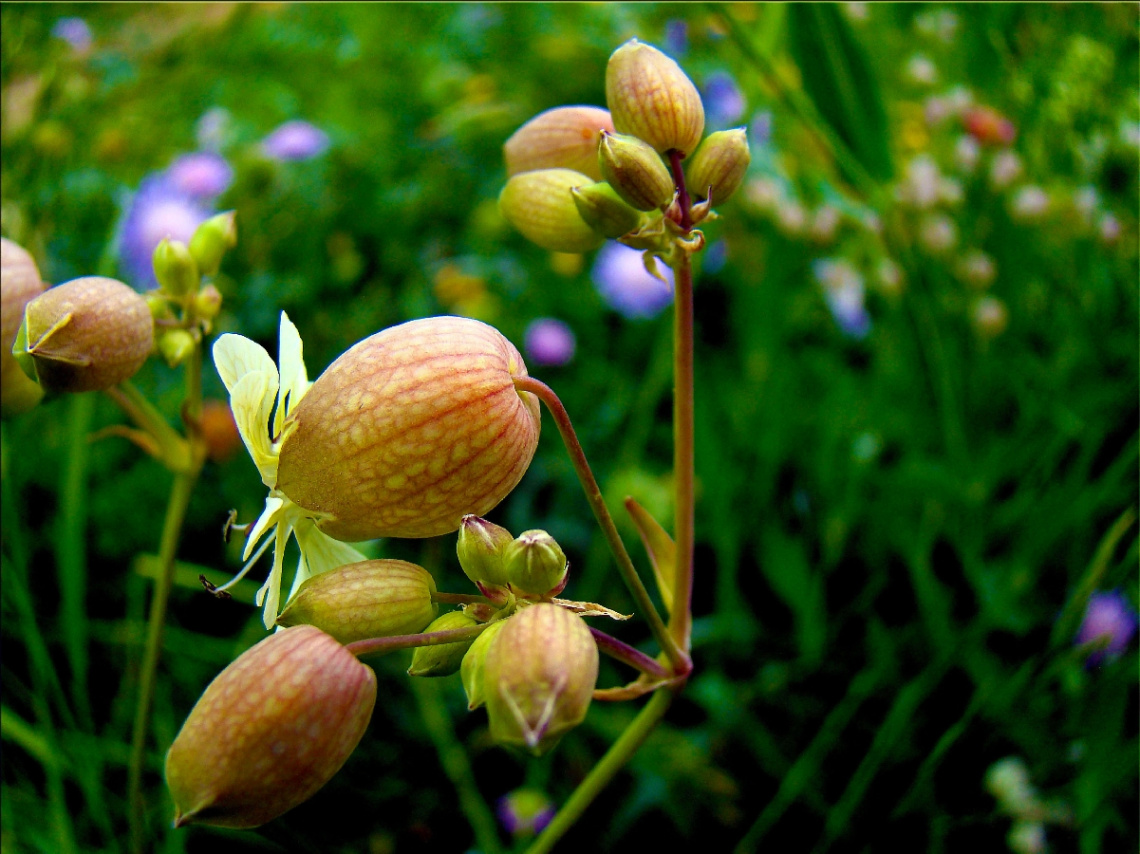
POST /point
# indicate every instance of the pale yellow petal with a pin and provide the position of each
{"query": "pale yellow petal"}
(270, 592)
(252, 401)
(294, 380)
(269, 517)
(235, 356)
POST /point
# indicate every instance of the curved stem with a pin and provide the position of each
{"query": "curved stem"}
(543, 392)
(375, 646)
(626, 654)
(681, 621)
(459, 598)
(607, 768)
(171, 529)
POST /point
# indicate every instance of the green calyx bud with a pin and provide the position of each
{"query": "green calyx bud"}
(540, 206)
(471, 670)
(564, 137)
(269, 731)
(19, 284)
(84, 335)
(442, 659)
(635, 170)
(650, 97)
(535, 564)
(538, 677)
(480, 551)
(211, 240)
(604, 211)
(208, 302)
(176, 346)
(367, 599)
(719, 164)
(175, 268)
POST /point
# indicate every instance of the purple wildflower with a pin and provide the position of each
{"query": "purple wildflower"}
(213, 129)
(75, 32)
(202, 175)
(1110, 619)
(525, 812)
(760, 128)
(723, 100)
(296, 140)
(549, 342)
(843, 290)
(159, 209)
(676, 38)
(627, 287)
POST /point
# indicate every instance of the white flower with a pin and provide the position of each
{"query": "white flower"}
(258, 391)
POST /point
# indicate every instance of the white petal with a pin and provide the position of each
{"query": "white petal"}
(320, 552)
(294, 380)
(271, 590)
(252, 402)
(235, 356)
(269, 517)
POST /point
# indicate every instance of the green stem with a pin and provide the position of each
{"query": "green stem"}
(623, 652)
(376, 646)
(459, 598)
(680, 661)
(684, 455)
(171, 530)
(684, 444)
(607, 768)
(453, 758)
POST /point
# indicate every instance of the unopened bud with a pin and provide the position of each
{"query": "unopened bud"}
(471, 670)
(635, 170)
(85, 335)
(175, 268)
(540, 206)
(442, 659)
(367, 599)
(535, 563)
(19, 284)
(720, 163)
(539, 677)
(650, 97)
(176, 345)
(604, 211)
(208, 302)
(480, 550)
(564, 137)
(211, 240)
(269, 731)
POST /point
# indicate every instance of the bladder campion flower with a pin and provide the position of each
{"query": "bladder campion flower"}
(405, 434)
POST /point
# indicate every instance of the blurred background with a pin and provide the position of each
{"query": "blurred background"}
(917, 409)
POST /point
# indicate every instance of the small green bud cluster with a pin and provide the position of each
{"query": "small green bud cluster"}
(529, 566)
(655, 119)
(184, 307)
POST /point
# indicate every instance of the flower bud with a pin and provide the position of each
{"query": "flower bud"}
(604, 211)
(269, 731)
(480, 550)
(561, 138)
(19, 284)
(175, 268)
(176, 345)
(539, 677)
(720, 163)
(535, 563)
(208, 302)
(211, 240)
(442, 659)
(650, 97)
(471, 670)
(635, 171)
(85, 335)
(540, 206)
(409, 431)
(367, 599)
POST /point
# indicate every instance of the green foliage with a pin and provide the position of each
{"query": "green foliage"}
(889, 525)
